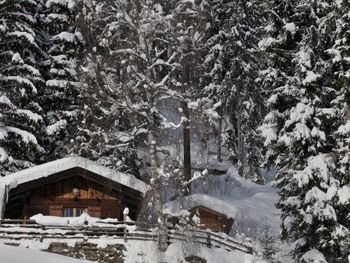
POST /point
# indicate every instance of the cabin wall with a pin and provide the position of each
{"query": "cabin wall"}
(101, 209)
(51, 199)
(212, 220)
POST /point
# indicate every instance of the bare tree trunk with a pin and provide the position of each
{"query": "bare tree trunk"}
(240, 144)
(187, 149)
(156, 185)
(186, 78)
(219, 141)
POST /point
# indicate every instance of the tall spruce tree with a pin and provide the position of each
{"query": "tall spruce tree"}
(105, 131)
(61, 98)
(231, 80)
(339, 67)
(21, 83)
(299, 128)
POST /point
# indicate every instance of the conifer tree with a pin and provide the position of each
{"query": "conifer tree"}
(61, 98)
(21, 82)
(105, 132)
(299, 128)
(233, 63)
(339, 67)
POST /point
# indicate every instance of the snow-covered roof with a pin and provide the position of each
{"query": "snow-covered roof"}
(196, 200)
(11, 181)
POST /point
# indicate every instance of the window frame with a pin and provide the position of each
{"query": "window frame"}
(73, 211)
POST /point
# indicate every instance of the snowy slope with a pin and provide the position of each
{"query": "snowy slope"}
(9, 254)
(254, 205)
(256, 201)
(144, 251)
(139, 251)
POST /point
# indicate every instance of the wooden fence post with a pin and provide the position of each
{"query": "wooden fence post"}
(125, 235)
(208, 240)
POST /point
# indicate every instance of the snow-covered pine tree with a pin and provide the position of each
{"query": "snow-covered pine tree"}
(339, 67)
(21, 82)
(299, 127)
(61, 98)
(269, 246)
(212, 74)
(106, 133)
(233, 64)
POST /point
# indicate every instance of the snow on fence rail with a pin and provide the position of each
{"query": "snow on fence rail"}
(17, 230)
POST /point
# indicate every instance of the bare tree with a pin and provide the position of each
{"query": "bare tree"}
(137, 49)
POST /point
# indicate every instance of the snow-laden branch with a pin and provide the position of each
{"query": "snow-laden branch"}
(129, 51)
(196, 176)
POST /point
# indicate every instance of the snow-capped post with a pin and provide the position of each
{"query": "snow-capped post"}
(125, 214)
(248, 243)
(125, 218)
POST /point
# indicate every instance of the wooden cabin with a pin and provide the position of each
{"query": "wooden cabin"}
(210, 219)
(204, 212)
(67, 188)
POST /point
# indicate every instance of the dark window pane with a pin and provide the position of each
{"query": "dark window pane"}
(68, 211)
(79, 211)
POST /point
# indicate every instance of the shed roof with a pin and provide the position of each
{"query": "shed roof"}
(13, 180)
(200, 200)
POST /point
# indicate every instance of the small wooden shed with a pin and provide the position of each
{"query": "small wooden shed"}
(204, 211)
(67, 188)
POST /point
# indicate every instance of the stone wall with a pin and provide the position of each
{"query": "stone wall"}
(108, 254)
(89, 251)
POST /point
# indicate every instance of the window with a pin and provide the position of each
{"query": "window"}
(73, 211)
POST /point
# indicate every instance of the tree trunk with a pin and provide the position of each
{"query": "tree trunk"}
(240, 144)
(187, 149)
(219, 141)
(156, 185)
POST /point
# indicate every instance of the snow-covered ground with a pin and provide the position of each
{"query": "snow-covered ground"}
(9, 254)
(138, 251)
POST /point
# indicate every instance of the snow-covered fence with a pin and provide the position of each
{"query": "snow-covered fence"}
(211, 239)
(17, 230)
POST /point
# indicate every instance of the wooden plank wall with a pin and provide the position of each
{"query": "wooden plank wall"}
(50, 199)
(212, 220)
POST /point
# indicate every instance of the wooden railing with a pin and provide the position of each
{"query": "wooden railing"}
(16, 230)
